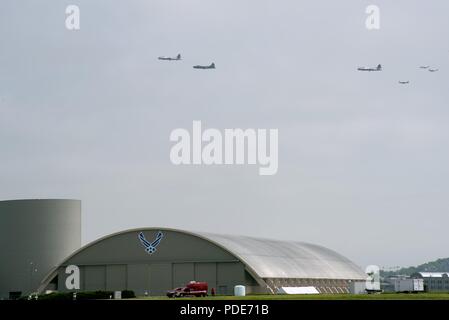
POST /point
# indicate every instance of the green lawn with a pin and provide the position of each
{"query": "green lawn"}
(382, 296)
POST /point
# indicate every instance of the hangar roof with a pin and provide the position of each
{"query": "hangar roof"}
(286, 259)
(433, 274)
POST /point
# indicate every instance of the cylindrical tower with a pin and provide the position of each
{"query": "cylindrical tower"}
(35, 235)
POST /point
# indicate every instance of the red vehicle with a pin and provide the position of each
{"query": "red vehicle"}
(192, 289)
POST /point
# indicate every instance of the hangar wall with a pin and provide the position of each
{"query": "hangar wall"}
(120, 262)
(156, 278)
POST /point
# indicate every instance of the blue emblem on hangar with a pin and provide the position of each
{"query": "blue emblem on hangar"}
(150, 248)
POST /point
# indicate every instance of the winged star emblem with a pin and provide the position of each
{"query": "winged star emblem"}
(150, 247)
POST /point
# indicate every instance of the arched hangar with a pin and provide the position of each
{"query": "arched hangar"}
(154, 260)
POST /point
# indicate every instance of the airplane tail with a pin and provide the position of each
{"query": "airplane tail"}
(178, 57)
(379, 67)
(212, 65)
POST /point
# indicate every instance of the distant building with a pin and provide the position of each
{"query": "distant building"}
(434, 281)
(388, 283)
(409, 285)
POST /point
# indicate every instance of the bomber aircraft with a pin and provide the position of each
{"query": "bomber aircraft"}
(211, 66)
(378, 68)
(178, 57)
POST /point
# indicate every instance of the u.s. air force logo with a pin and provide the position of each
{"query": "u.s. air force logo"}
(150, 247)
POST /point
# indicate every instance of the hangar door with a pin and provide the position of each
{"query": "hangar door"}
(229, 274)
(160, 278)
(207, 272)
(138, 278)
(183, 273)
(116, 276)
(94, 278)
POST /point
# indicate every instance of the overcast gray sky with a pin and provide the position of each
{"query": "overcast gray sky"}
(363, 161)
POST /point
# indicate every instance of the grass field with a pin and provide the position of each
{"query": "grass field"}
(382, 296)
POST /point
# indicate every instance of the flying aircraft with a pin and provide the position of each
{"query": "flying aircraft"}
(404, 82)
(178, 57)
(378, 68)
(212, 66)
(424, 67)
(433, 70)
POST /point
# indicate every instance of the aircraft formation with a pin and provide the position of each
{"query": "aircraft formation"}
(178, 58)
(379, 68)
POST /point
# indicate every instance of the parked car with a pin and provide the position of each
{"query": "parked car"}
(192, 289)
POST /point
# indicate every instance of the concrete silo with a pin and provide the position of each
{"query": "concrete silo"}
(35, 236)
